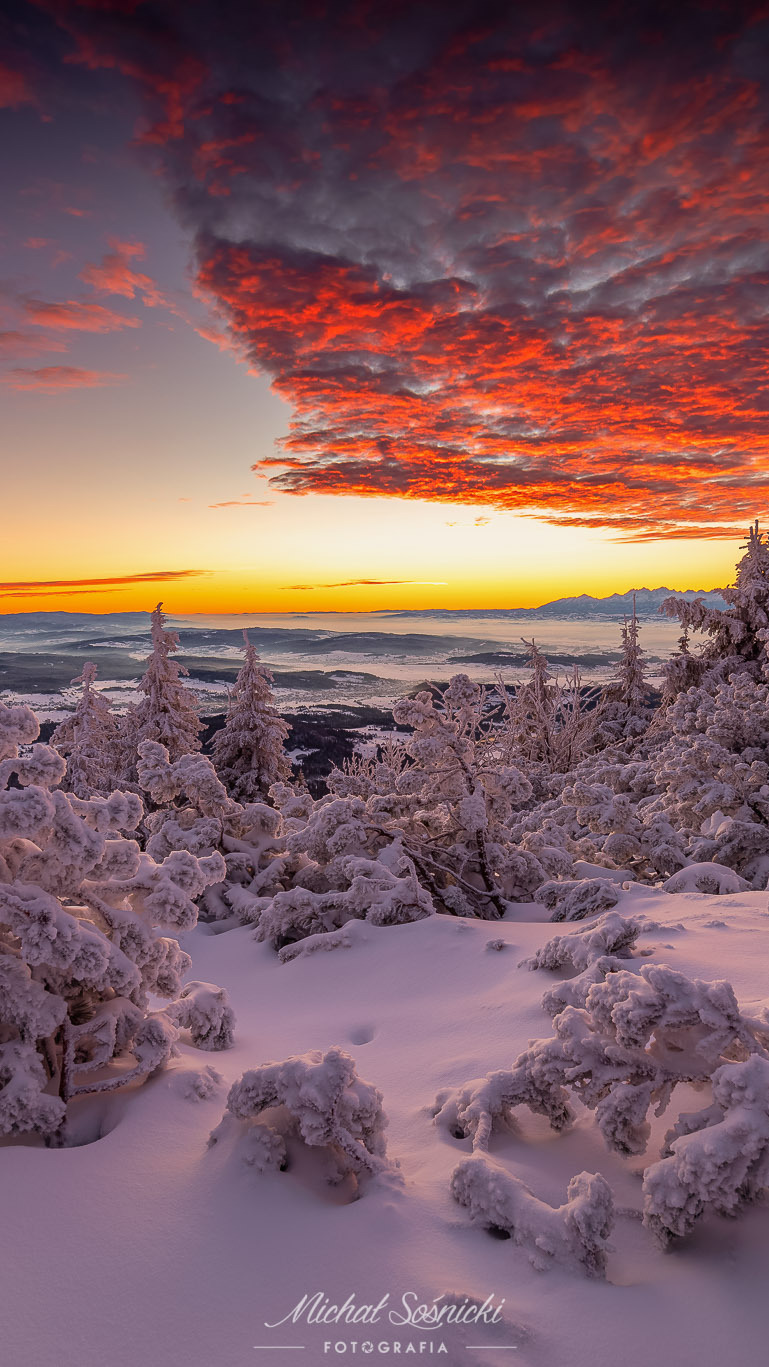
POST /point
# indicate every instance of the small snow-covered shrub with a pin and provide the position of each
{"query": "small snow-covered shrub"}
(610, 934)
(374, 893)
(573, 901)
(713, 879)
(486, 1103)
(718, 1158)
(204, 1010)
(576, 1232)
(637, 1035)
(591, 953)
(323, 1101)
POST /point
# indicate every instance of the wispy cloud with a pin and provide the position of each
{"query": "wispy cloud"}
(30, 588)
(15, 343)
(244, 503)
(116, 273)
(356, 583)
(14, 88)
(76, 316)
(58, 379)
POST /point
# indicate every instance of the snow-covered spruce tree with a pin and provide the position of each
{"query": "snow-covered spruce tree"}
(625, 709)
(248, 752)
(80, 953)
(88, 740)
(167, 713)
(315, 1097)
(738, 634)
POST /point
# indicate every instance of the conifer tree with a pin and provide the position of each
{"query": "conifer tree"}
(88, 740)
(167, 713)
(248, 751)
(738, 633)
(625, 710)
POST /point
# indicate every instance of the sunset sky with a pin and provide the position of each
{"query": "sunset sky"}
(314, 305)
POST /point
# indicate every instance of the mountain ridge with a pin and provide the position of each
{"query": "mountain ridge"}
(648, 602)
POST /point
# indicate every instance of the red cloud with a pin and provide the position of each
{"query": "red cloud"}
(76, 316)
(116, 274)
(14, 88)
(56, 379)
(514, 258)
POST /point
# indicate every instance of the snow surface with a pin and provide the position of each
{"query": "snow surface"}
(147, 1249)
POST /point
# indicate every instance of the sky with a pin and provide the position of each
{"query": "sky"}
(312, 306)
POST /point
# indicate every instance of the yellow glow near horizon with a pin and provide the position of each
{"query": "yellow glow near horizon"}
(419, 555)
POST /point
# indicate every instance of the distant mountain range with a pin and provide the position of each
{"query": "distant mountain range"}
(75, 624)
(647, 603)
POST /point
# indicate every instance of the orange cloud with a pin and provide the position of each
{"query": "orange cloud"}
(43, 587)
(244, 503)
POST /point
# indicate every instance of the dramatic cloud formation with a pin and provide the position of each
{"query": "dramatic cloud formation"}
(513, 255)
(30, 588)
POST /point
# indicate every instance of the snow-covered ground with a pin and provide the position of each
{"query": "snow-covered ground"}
(147, 1249)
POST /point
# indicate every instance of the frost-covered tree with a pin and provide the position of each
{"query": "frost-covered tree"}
(737, 634)
(549, 726)
(80, 952)
(605, 814)
(193, 812)
(167, 713)
(624, 711)
(317, 1098)
(248, 751)
(423, 827)
(682, 671)
(88, 740)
